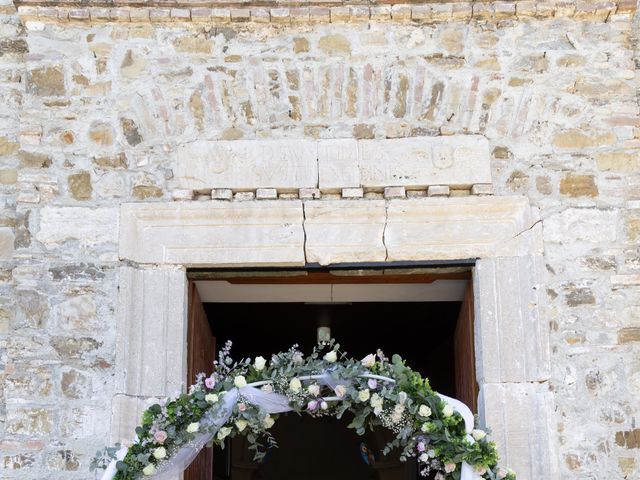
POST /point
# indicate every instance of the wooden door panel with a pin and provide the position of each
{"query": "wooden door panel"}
(464, 353)
(201, 347)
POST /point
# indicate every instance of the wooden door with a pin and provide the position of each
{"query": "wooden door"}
(201, 348)
(464, 353)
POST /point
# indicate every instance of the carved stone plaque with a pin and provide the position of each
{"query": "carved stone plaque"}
(458, 161)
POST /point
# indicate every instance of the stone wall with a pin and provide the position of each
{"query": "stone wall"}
(96, 102)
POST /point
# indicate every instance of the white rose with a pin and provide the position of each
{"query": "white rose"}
(241, 424)
(447, 411)
(240, 381)
(480, 469)
(424, 411)
(331, 356)
(193, 427)
(159, 453)
(368, 361)
(211, 397)
(268, 421)
(223, 433)
(376, 400)
(295, 385)
(259, 363)
(340, 390)
(363, 395)
(424, 458)
(478, 435)
(314, 389)
(149, 469)
(324, 405)
(449, 467)
(268, 388)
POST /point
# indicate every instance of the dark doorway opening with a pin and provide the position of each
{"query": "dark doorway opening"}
(434, 337)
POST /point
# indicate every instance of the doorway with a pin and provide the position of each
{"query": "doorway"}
(426, 318)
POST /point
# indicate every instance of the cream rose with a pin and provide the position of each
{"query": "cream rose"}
(340, 390)
(224, 433)
(159, 453)
(447, 411)
(424, 458)
(241, 424)
(314, 389)
(268, 421)
(295, 385)
(331, 356)
(368, 361)
(240, 381)
(259, 363)
(364, 395)
(424, 411)
(193, 427)
(478, 435)
(149, 470)
(449, 467)
(211, 397)
(377, 402)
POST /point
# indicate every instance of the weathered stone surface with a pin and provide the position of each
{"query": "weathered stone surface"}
(147, 295)
(6, 243)
(284, 164)
(46, 81)
(578, 186)
(338, 164)
(522, 428)
(29, 421)
(33, 308)
(434, 228)
(130, 131)
(344, 231)
(89, 226)
(586, 226)
(79, 185)
(77, 313)
(217, 232)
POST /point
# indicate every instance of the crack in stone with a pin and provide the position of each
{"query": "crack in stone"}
(384, 231)
(304, 232)
(527, 229)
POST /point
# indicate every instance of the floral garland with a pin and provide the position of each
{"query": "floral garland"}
(375, 391)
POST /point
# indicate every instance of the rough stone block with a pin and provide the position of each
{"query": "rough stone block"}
(221, 194)
(482, 189)
(244, 196)
(344, 231)
(89, 226)
(266, 194)
(213, 233)
(438, 191)
(309, 193)
(352, 193)
(394, 192)
(7, 239)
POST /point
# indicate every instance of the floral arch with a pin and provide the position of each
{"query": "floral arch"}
(245, 398)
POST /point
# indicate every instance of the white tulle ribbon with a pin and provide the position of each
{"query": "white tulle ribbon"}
(271, 403)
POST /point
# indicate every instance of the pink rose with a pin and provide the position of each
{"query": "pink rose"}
(242, 406)
(209, 382)
(160, 436)
(372, 383)
(312, 405)
(420, 447)
(449, 467)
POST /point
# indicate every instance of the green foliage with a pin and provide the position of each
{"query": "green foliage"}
(375, 392)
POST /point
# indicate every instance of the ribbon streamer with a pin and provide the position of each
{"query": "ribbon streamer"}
(272, 403)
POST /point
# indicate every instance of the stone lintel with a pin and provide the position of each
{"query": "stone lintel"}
(281, 232)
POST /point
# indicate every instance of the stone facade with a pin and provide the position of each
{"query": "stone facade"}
(100, 104)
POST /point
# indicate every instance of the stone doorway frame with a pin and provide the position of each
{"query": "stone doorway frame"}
(159, 241)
